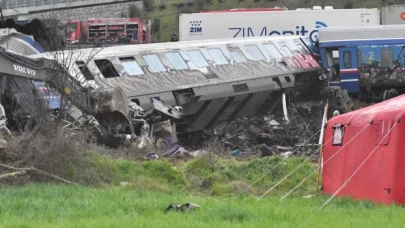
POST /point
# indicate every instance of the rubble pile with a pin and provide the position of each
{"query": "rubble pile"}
(269, 134)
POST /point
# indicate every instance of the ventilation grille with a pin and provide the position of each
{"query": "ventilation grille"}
(240, 88)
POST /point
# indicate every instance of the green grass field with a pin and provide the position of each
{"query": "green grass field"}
(66, 206)
(215, 184)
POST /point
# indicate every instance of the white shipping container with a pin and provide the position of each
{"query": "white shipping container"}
(201, 26)
(393, 15)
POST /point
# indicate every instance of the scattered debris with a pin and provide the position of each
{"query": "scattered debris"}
(268, 151)
(13, 174)
(182, 208)
(198, 153)
(173, 151)
(286, 154)
(235, 152)
(153, 155)
(20, 171)
(271, 134)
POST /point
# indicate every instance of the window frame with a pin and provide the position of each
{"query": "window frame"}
(186, 67)
(298, 45)
(253, 56)
(359, 59)
(131, 59)
(237, 50)
(85, 70)
(160, 63)
(111, 65)
(196, 63)
(270, 54)
(392, 56)
(346, 64)
(215, 59)
(286, 49)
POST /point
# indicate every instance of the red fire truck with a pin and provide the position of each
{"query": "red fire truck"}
(109, 31)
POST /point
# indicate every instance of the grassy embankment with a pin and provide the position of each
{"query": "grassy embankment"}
(212, 183)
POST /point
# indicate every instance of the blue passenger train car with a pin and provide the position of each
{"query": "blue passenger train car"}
(370, 63)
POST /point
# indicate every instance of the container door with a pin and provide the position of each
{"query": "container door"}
(349, 74)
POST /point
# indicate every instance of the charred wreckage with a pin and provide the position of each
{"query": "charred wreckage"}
(157, 92)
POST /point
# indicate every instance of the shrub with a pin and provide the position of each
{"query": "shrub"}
(155, 25)
(348, 5)
(134, 11)
(200, 4)
(162, 7)
(148, 5)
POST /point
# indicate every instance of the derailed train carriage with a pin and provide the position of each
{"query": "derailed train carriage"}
(214, 81)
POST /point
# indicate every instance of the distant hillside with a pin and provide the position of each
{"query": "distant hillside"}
(164, 13)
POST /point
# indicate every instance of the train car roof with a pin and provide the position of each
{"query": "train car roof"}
(155, 47)
(367, 35)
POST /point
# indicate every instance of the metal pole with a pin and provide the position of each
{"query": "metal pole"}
(324, 120)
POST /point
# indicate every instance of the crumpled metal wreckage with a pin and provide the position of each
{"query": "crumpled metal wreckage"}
(182, 208)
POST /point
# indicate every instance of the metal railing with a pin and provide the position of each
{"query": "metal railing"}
(11, 4)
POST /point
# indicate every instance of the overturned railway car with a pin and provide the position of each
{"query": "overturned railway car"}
(215, 81)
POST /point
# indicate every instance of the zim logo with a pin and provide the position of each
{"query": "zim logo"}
(195, 27)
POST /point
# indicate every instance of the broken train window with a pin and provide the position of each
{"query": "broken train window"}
(106, 68)
(85, 70)
(338, 133)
